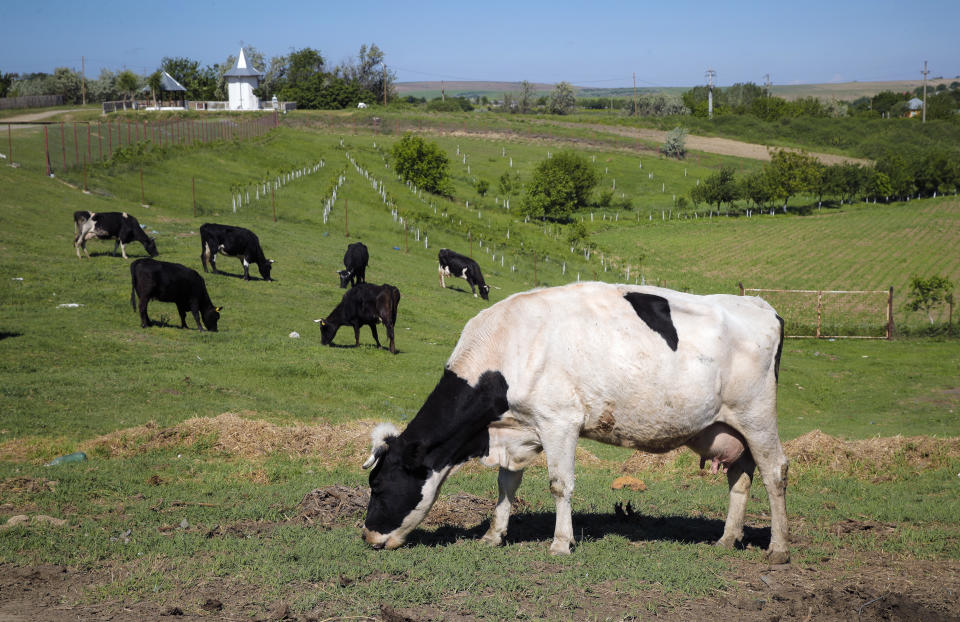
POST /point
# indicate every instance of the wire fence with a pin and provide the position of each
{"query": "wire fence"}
(832, 314)
(70, 146)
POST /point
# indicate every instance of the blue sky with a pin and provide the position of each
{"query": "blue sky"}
(598, 44)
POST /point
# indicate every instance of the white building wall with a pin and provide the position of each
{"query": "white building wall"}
(240, 94)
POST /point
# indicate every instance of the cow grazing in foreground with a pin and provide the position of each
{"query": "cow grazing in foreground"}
(355, 263)
(234, 242)
(172, 282)
(118, 226)
(457, 265)
(363, 305)
(640, 367)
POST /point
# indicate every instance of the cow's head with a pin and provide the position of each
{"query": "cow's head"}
(344, 277)
(484, 291)
(402, 488)
(264, 267)
(151, 246)
(327, 332)
(210, 318)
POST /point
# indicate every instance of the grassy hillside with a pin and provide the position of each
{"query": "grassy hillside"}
(178, 509)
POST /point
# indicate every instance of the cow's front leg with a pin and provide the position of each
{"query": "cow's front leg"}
(739, 478)
(560, 447)
(116, 245)
(442, 284)
(246, 269)
(356, 335)
(213, 263)
(507, 483)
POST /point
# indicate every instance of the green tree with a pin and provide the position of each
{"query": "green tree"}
(482, 186)
(127, 83)
(369, 72)
(6, 81)
(792, 173)
(757, 187)
(155, 82)
(717, 189)
(66, 82)
(926, 294)
(421, 163)
(878, 185)
(525, 98)
(200, 84)
(563, 98)
(560, 185)
(509, 183)
(898, 172)
(674, 146)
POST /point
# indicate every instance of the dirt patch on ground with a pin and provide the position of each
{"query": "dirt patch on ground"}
(863, 458)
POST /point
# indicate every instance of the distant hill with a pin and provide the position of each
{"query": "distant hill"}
(847, 91)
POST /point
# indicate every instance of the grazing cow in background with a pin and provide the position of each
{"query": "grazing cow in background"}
(234, 242)
(640, 367)
(119, 226)
(457, 265)
(172, 282)
(355, 261)
(363, 305)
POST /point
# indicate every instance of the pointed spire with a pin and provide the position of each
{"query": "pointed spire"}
(241, 60)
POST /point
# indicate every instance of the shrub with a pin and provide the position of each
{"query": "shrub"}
(421, 163)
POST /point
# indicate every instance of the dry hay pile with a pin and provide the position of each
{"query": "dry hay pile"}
(870, 456)
(243, 437)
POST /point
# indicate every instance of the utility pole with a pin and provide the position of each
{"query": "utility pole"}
(443, 95)
(711, 74)
(924, 72)
(83, 80)
(766, 84)
(634, 93)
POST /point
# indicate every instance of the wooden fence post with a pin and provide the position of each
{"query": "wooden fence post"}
(46, 149)
(890, 314)
(740, 285)
(819, 311)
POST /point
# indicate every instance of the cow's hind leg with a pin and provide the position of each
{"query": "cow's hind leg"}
(507, 483)
(376, 337)
(144, 320)
(739, 477)
(768, 455)
(560, 446)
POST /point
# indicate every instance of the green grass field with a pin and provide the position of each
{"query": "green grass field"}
(69, 374)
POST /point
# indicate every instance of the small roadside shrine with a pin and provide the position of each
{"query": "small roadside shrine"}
(241, 80)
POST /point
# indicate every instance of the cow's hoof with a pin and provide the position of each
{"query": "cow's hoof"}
(560, 548)
(726, 542)
(492, 539)
(775, 558)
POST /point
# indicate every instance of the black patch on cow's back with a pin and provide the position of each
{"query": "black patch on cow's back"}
(776, 366)
(655, 312)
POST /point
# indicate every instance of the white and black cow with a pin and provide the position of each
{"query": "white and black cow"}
(355, 263)
(457, 265)
(363, 305)
(641, 367)
(234, 242)
(172, 282)
(119, 226)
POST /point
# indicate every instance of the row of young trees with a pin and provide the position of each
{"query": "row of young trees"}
(302, 76)
(791, 173)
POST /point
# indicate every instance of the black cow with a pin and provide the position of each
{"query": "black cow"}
(172, 282)
(119, 226)
(457, 265)
(234, 242)
(363, 305)
(355, 260)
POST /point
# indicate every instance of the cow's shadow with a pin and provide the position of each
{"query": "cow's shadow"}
(130, 256)
(538, 527)
(238, 275)
(362, 345)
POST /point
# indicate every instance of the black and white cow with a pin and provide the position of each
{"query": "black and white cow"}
(234, 242)
(119, 226)
(457, 265)
(172, 282)
(640, 367)
(355, 261)
(363, 305)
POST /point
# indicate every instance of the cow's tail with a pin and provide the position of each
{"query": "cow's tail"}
(79, 217)
(133, 286)
(776, 365)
